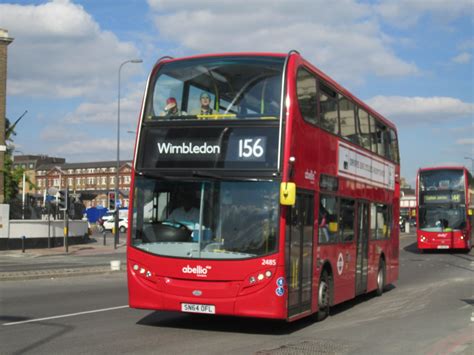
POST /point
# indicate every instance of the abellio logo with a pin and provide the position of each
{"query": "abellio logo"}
(198, 270)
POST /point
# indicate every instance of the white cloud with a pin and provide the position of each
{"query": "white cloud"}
(421, 109)
(339, 37)
(80, 146)
(406, 13)
(462, 58)
(465, 141)
(60, 51)
(105, 112)
(96, 148)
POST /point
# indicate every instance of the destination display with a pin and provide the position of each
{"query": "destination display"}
(444, 197)
(209, 148)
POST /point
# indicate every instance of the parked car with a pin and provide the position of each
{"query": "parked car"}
(109, 224)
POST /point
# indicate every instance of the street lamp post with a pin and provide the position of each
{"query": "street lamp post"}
(116, 237)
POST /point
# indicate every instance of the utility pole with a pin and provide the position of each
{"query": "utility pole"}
(117, 173)
(4, 42)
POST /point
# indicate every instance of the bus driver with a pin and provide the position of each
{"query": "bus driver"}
(186, 213)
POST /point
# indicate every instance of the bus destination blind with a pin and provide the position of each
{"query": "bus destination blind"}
(210, 148)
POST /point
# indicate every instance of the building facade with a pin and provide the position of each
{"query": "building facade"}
(407, 203)
(29, 164)
(88, 181)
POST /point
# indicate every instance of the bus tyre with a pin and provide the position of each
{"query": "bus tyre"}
(324, 294)
(381, 278)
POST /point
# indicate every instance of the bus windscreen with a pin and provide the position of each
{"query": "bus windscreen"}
(442, 200)
(209, 220)
(216, 88)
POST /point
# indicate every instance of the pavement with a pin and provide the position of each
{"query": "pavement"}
(81, 259)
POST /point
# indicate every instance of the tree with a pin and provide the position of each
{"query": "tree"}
(12, 177)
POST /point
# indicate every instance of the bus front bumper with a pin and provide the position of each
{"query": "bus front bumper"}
(219, 298)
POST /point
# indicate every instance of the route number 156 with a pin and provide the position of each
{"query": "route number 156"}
(250, 148)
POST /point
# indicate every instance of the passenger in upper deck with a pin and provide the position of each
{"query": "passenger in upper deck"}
(171, 108)
(205, 101)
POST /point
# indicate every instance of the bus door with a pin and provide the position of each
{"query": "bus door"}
(299, 253)
(362, 247)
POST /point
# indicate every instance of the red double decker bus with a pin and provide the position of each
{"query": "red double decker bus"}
(261, 188)
(444, 208)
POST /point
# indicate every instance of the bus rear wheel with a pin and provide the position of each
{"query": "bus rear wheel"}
(324, 294)
(381, 278)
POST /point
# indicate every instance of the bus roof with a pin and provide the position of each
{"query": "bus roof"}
(449, 167)
(229, 54)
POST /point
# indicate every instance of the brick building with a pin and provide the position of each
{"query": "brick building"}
(29, 163)
(91, 180)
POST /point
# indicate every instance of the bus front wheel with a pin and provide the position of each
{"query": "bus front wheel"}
(324, 294)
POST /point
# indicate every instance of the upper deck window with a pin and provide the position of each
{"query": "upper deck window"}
(363, 121)
(442, 180)
(347, 120)
(328, 100)
(307, 99)
(216, 88)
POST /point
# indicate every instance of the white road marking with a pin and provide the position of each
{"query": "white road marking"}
(66, 315)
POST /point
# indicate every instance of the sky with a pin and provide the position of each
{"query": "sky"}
(411, 60)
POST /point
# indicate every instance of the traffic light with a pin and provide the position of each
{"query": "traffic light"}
(112, 202)
(63, 199)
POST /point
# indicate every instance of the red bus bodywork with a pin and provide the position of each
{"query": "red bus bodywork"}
(225, 283)
(448, 238)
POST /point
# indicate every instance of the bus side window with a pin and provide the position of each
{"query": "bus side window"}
(380, 137)
(347, 120)
(373, 221)
(329, 116)
(328, 219)
(373, 134)
(346, 219)
(364, 128)
(393, 144)
(380, 221)
(306, 91)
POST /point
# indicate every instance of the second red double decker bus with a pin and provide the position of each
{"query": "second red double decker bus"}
(261, 188)
(444, 208)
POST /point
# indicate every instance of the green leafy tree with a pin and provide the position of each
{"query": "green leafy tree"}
(12, 177)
